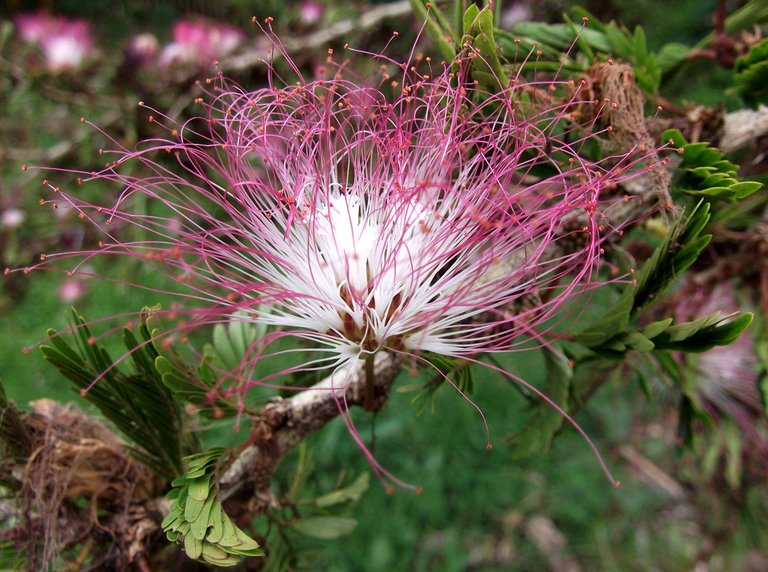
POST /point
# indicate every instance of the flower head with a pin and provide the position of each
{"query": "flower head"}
(199, 43)
(311, 11)
(726, 377)
(65, 43)
(414, 214)
(362, 223)
(141, 50)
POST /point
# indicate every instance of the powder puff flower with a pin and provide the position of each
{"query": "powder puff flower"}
(199, 43)
(12, 218)
(360, 224)
(65, 43)
(141, 50)
(725, 378)
(310, 11)
(417, 214)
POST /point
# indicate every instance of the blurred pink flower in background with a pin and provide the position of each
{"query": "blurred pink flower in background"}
(311, 11)
(33, 27)
(514, 13)
(12, 218)
(199, 43)
(141, 49)
(72, 290)
(726, 377)
(65, 43)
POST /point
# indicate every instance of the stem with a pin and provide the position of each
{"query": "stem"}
(370, 375)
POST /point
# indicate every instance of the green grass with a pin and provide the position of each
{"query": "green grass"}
(469, 491)
(27, 376)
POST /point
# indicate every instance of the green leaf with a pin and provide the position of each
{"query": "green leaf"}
(192, 509)
(671, 55)
(615, 320)
(212, 554)
(487, 68)
(224, 347)
(216, 521)
(638, 341)
(655, 328)
(193, 547)
(200, 488)
(664, 266)
(685, 330)
(11, 557)
(751, 75)
(228, 534)
(706, 173)
(703, 334)
(352, 492)
(325, 527)
(199, 528)
(246, 545)
(185, 385)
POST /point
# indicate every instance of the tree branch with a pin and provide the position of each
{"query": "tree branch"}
(743, 126)
(285, 423)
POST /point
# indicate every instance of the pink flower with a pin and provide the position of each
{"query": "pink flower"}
(72, 290)
(199, 43)
(65, 43)
(141, 50)
(311, 11)
(441, 220)
(725, 377)
(12, 218)
(362, 225)
(514, 13)
(33, 27)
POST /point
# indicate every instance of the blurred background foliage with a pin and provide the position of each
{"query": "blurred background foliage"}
(703, 508)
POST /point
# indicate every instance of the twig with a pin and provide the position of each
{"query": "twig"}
(289, 421)
(652, 473)
(743, 126)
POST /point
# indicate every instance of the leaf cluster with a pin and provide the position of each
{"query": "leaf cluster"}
(198, 521)
(221, 357)
(546, 421)
(453, 370)
(138, 402)
(569, 47)
(751, 75)
(322, 520)
(705, 172)
(612, 336)
(478, 31)
(597, 41)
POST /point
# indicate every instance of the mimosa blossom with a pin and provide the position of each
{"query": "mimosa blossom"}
(416, 215)
(199, 43)
(726, 378)
(65, 43)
